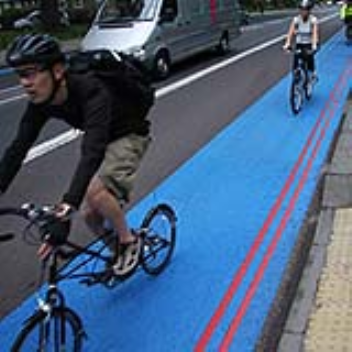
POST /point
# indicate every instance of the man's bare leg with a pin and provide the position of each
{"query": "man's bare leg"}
(94, 221)
(103, 205)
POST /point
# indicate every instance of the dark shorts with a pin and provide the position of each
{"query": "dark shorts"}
(118, 170)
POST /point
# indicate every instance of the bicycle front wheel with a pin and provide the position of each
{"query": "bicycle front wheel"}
(296, 98)
(159, 238)
(308, 87)
(57, 331)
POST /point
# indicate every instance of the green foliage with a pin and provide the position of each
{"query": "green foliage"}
(8, 16)
(81, 15)
(265, 5)
(71, 32)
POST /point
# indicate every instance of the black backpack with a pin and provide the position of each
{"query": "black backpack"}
(125, 77)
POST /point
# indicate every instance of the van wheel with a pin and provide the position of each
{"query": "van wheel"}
(162, 66)
(224, 44)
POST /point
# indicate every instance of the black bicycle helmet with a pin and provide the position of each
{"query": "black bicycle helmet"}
(40, 49)
(306, 5)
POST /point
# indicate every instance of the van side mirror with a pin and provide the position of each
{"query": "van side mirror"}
(168, 15)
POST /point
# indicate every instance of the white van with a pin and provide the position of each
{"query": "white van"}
(162, 32)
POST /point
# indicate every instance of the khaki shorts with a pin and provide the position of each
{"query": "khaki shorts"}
(118, 170)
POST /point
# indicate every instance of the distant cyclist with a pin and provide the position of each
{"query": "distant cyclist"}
(346, 17)
(112, 144)
(346, 12)
(304, 34)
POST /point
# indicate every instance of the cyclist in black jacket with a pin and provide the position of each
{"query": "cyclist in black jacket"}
(112, 145)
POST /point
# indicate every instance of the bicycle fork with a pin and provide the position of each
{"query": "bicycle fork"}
(54, 314)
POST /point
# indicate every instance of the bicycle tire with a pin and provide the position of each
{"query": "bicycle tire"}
(41, 325)
(308, 87)
(159, 240)
(308, 90)
(296, 97)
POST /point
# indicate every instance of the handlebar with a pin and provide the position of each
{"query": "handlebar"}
(51, 228)
(29, 212)
(23, 212)
(300, 51)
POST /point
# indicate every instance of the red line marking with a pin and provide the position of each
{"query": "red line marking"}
(271, 249)
(239, 275)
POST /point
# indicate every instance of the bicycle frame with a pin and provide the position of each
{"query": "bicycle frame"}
(76, 252)
(53, 296)
(302, 66)
(55, 324)
(301, 86)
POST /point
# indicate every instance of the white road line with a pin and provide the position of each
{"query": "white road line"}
(71, 135)
(10, 89)
(51, 144)
(188, 80)
(10, 100)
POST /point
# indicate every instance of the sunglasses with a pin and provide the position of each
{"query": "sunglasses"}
(29, 72)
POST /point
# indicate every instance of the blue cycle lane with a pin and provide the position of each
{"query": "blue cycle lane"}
(240, 202)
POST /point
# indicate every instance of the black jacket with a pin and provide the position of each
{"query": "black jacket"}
(91, 108)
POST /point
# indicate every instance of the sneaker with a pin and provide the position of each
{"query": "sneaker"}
(128, 257)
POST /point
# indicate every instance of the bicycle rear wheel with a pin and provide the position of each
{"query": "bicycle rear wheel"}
(60, 330)
(159, 238)
(296, 97)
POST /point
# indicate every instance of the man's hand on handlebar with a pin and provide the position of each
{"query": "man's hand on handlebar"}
(64, 210)
(56, 230)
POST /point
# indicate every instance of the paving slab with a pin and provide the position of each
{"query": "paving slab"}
(330, 323)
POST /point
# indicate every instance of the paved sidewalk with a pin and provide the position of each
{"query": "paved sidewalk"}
(321, 316)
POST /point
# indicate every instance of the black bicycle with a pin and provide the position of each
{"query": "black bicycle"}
(54, 326)
(303, 82)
